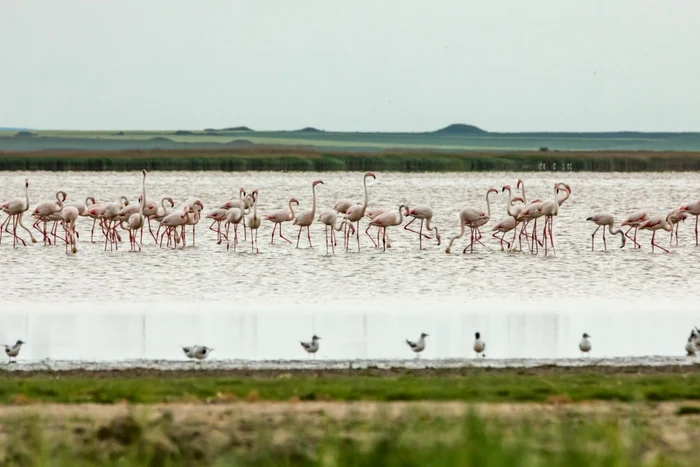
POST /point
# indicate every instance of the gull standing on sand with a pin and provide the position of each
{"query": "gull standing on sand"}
(479, 345)
(311, 347)
(13, 351)
(419, 346)
(585, 345)
(690, 346)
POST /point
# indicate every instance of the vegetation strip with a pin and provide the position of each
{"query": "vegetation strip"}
(474, 387)
(300, 159)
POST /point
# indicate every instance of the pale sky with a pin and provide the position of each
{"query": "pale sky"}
(361, 65)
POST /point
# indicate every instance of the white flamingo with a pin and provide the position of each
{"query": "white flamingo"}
(425, 214)
(306, 218)
(329, 219)
(656, 223)
(387, 219)
(137, 219)
(254, 222)
(280, 216)
(357, 211)
(603, 220)
(473, 218)
(633, 222)
(15, 209)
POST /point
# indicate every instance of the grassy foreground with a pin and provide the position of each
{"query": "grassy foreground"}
(322, 435)
(300, 159)
(476, 386)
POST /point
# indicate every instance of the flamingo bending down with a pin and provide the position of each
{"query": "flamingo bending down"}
(280, 216)
(425, 214)
(329, 218)
(69, 214)
(172, 221)
(675, 217)
(656, 223)
(633, 221)
(110, 222)
(217, 216)
(472, 218)
(306, 218)
(15, 209)
(694, 210)
(388, 219)
(357, 211)
(254, 222)
(137, 219)
(602, 220)
(235, 216)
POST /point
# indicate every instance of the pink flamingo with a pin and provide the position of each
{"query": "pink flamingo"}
(387, 219)
(633, 221)
(371, 214)
(15, 209)
(675, 217)
(425, 214)
(656, 223)
(602, 220)
(254, 222)
(174, 220)
(235, 216)
(357, 211)
(549, 209)
(694, 210)
(137, 219)
(280, 216)
(306, 218)
(329, 218)
(44, 210)
(69, 214)
(509, 223)
(474, 218)
(243, 202)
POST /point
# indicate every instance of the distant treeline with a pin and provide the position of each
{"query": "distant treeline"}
(294, 159)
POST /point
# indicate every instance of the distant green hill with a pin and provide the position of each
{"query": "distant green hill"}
(460, 129)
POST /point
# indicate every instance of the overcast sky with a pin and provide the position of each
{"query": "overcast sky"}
(361, 65)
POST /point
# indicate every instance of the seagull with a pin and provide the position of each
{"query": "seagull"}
(311, 347)
(200, 352)
(697, 337)
(690, 346)
(13, 351)
(585, 344)
(479, 345)
(419, 346)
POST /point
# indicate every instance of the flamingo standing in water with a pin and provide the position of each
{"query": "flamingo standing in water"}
(633, 222)
(510, 222)
(425, 214)
(602, 220)
(357, 211)
(371, 214)
(329, 218)
(306, 218)
(69, 214)
(15, 209)
(235, 216)
(44, 210)
(254, 222)
(549, 209)
(694, 210)
(242, 203)
(280, 216)
(473, 218)
(675, 217)
(137, 220)
(656, 223)
(387, 219)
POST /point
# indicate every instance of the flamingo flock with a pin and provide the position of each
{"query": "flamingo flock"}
(169, 225)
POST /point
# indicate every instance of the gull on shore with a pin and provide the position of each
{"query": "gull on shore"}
(585, 345)
(311, 347)
(197, 352)
(418, 346)
(13, 351)
(479, 345)
(691, 345)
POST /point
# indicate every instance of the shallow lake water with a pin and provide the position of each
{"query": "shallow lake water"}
(109, 306)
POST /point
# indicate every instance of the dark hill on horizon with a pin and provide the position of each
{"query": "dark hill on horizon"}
(460, 129)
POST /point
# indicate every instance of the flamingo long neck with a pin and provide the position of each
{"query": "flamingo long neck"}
(143, 195)
(364, 182)
(60, 198)
(400, 216)
(488, 203)
(313, 202)
(26, 197)
(123, 201)
(463, 223)
(614, 231)
(89, 198)
(566, 196)
(339, 227)
(255, 207)
(556, 200)
(509, 208)
(427, 224)
(522, 190)
(291, 210)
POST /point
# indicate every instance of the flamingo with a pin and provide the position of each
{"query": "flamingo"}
(306, 218)
(602, 220)
(425, 214)
(254, 222)
(357, 211)
(694, 210)
(656, 223)
(329, 218)
(675, 217)
(95, 211)
(197, 207)
(217, 216)
(15, 209)
(243, 202)
(172, 221)
(137, 219)
(549, 209)
(633, 221)
(474, 218)
(110, 215)
(280, 216)
(69, 214)
(371, 214)
(388, 219)
(44, 210)
(161, 212)
(235, 216)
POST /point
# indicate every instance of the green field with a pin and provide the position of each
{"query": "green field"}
(544, 416)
